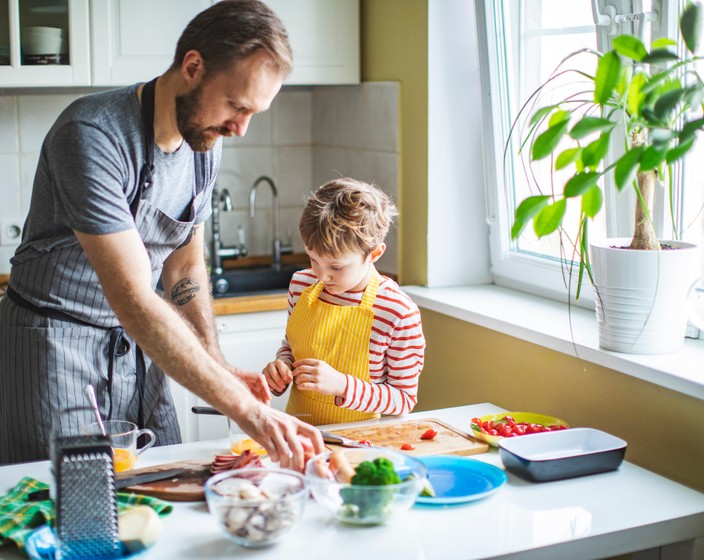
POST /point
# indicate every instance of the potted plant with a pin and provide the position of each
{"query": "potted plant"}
(651, 102)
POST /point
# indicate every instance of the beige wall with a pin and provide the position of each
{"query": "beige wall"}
(395, 48)
(466, 363)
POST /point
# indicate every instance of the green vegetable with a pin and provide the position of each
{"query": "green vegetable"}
(367, 504)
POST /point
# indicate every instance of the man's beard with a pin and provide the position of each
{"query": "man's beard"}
(187, 107)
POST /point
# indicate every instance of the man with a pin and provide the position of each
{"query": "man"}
(120, 195)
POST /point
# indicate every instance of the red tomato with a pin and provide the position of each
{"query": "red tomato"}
(364, 442)
(408, 447)
(429, 434)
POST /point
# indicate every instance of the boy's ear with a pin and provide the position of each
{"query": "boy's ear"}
(377, 251)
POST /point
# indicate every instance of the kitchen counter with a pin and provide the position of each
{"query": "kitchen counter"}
(594, 516)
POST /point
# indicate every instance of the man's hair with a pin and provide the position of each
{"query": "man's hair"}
(346, 215)
(233, 30)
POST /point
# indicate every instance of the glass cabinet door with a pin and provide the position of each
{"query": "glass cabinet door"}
(44, 32)
(44, 43)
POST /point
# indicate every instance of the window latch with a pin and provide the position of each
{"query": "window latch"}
(613, 21)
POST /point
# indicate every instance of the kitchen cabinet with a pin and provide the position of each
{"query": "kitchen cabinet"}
(133, 40)
(247, 340)
(29, 27)
(324, 36)
(120, 42)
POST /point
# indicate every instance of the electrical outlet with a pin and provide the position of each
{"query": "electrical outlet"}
(10, 231)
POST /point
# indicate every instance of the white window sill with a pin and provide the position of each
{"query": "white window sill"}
(567, 329)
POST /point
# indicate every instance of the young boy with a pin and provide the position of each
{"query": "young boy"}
(354, 345)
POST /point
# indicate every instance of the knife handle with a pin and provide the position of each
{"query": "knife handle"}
(206, 410)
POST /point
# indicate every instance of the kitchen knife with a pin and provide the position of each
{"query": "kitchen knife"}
(120, 483)
(216, 412)
(341, 440)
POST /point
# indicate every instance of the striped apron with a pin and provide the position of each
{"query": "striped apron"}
(337, 334)
(48, 354)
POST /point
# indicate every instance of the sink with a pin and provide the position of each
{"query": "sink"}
(251, 280)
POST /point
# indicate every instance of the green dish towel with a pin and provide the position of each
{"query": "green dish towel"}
(19, 517)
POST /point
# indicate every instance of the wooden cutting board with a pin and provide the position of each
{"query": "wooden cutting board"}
(448, 441)
(186, 487)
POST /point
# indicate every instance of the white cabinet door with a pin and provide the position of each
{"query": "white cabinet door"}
(324, 36)
(249, 341)
(68, 16)
(135, 40)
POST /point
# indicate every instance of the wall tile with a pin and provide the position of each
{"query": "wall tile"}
(292, 115)
(37, 114)
(240, 168)
(294, 174)
(10, 192)
(326, 117)
(28, 167)
(9, 139)
(381, 103)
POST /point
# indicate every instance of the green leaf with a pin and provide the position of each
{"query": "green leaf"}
(550, 218)
(630, 47)
(663, 42)
(568, 156)
(548, 140)
(592, 201)
(679, 151)
(634, 96)
(694, 95)
(588, 125)
(608, 73)
(691, 26)
(667, 103)
(626, 167)
(596, 151)
(525, 212)
(659, 55)
(652, 157)
(540, 113)
(559, 116)
(581, 183)
(690, 129)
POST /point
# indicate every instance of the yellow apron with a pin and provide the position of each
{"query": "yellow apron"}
(338, 335)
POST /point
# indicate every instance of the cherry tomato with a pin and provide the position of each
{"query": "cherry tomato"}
(364, 442)
(408, 447)
(429, 434)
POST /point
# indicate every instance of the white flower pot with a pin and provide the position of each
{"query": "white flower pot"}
(641, 296)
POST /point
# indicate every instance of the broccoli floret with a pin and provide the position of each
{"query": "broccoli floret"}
(365, 505)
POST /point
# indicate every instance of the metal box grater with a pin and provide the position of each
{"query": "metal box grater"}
(86, 500)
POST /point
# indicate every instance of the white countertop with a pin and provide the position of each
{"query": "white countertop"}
(588, 517)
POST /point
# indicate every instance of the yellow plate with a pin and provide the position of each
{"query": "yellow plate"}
(519, 417)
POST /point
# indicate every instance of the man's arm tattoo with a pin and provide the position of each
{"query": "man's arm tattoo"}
(184, 291)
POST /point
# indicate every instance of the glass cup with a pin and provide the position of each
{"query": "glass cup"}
(123, 437)
(240, 442)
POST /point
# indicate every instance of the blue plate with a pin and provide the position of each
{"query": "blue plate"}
(41, 545)
(457, 480)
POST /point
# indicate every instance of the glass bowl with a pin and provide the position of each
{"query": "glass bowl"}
(365, 505)
(256, 507)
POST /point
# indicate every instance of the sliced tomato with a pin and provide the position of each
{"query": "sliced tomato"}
(408, 447)
(429, 434)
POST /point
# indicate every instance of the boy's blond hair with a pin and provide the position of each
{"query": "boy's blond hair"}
(346, 215)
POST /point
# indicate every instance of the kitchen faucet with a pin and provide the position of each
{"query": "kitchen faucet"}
(277, 248)
(217, 251)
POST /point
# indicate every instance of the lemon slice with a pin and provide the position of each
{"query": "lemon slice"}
(428, 490)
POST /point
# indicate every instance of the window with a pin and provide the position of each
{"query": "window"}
(526, 42)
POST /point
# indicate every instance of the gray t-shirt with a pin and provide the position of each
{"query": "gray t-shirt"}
(88, 171)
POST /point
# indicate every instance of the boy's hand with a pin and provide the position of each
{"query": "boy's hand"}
(278, 375)
(317, 375)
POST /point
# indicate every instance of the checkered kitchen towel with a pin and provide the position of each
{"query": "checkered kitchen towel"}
(19, 517)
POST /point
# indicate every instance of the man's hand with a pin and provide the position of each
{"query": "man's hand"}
(278, 376)
(286, 439)
(317, 375)
(256, 382)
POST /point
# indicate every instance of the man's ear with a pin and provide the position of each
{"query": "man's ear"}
(377, 252)
(192, 67)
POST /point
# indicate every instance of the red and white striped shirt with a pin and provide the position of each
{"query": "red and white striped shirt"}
(396, 347)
